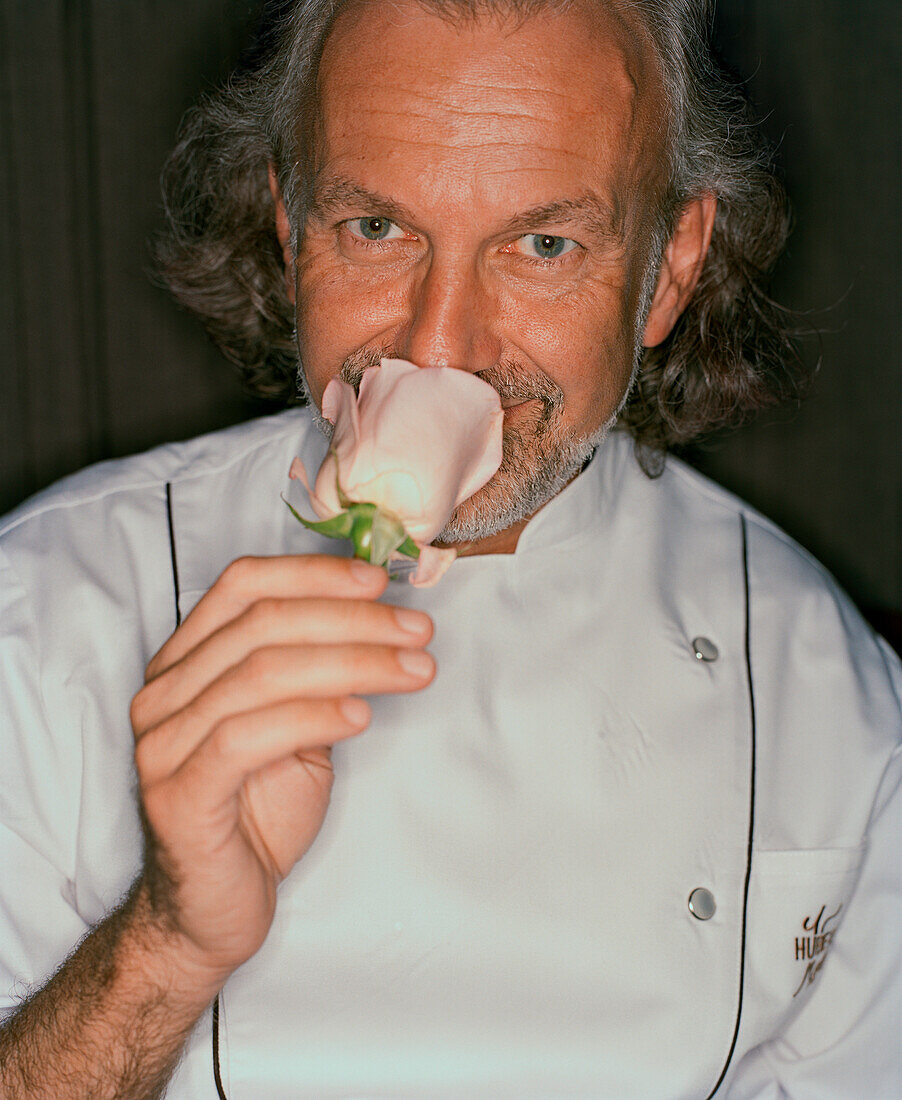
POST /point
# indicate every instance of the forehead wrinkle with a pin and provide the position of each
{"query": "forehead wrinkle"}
(526, 105)
(466, 147)
(466, 125)
(440, 89)
(485, 99)
(377, 124)
(489, 113)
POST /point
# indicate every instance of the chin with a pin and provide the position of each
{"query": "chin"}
(527, 478)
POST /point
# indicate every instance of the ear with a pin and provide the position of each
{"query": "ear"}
(681, 268)
(283, 232)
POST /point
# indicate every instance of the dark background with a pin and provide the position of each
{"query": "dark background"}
(97, 362)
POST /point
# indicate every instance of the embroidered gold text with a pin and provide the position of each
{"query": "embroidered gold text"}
(812, 948)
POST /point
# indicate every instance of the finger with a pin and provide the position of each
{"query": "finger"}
(280, 622)
(249, 579)
(242, 744)
(275, 675)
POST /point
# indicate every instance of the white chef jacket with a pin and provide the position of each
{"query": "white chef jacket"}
(659, 706)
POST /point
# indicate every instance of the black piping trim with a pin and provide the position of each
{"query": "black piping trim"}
(178, 621)
(753, 732)
(172, 553)
(217, 1076)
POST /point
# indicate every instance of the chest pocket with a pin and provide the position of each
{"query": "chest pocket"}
(797, 901)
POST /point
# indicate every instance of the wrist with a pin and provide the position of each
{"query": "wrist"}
(155, 951)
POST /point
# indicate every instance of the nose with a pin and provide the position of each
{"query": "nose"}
(451, 318)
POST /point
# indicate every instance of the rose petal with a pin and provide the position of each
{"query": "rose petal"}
(325, 509)
(324, 498)
(432, 565)
(298, 473)
(439, 424)
(340, 407)
(395, 491)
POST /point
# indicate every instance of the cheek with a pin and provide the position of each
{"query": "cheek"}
(338, 313)
(585, 344)
(316, 336)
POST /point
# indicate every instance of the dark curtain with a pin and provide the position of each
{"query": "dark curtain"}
(98, 363)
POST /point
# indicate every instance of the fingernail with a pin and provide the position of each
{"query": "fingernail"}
(416, 663)
(414, 622)
(362, 572)
(355, 711)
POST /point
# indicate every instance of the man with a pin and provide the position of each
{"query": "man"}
(627, 827)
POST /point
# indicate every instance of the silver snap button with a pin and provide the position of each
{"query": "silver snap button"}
(701, 903)
(704, 649)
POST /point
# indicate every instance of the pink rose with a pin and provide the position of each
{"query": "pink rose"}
(416, 442)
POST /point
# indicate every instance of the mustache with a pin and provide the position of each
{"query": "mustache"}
(353, 368)
(510, 379)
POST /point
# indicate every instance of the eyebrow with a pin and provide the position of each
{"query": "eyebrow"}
(588, 210)
(337, 195)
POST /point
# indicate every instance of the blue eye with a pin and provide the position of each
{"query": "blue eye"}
(373, 229)
(548, 247)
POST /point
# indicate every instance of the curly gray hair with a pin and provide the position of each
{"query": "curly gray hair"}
(730, 354)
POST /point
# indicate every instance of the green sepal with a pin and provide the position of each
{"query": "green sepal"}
(336, 527)
(388, 534)
(409, 548)
(361, 533)
(374, 534)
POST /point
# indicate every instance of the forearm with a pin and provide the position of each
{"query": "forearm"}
(112, 1021)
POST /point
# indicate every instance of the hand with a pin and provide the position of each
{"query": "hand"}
(234, 728)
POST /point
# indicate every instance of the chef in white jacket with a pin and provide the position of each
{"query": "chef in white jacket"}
(627, 828)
